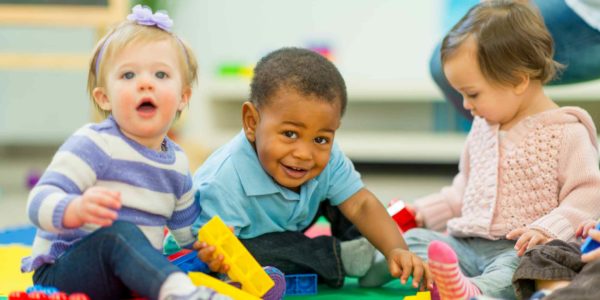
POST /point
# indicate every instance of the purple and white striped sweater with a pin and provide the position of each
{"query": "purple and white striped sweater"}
(156, 189)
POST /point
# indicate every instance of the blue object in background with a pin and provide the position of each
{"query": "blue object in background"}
(589, 243)
(191, 263)
(300, 284)
(19, 235)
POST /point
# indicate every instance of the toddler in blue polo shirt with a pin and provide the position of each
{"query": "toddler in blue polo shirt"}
(272, 180)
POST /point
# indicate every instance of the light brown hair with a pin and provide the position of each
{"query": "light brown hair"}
(127, 33)
(511, 38)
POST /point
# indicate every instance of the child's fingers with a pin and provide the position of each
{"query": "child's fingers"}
(428, 276)
(407, 268)
(587, 228)
(516, 233)
(206, 253)
(417, 272)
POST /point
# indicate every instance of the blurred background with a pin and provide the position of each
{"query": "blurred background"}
(403, 137)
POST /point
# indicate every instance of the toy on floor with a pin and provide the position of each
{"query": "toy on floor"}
(219, 286)
(188, 261)
(243, 267)
(419, 296)
(402, 216)
(300, 284)
(40, 292)
(590, 244)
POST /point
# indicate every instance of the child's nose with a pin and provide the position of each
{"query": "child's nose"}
(145, 83)
(302, 151)
(467, 105)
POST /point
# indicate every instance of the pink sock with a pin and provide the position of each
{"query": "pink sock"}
(450, 281)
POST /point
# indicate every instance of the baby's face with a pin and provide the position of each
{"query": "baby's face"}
(144, 90)
(294, 136)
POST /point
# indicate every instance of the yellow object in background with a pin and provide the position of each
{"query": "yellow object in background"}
(199, 278)
(419, 296)
(243, 268)
(11, 278)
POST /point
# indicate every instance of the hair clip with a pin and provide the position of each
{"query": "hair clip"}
(143, 15)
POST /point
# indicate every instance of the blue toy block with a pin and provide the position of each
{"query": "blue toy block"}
(300, 284)
(589, 243)
(191, 263)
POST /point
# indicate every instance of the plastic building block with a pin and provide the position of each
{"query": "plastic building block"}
(590, 244)
(402, 216)
(419, 296)
(243, 267)
(188, 261)
(300, 284)
(219, 286)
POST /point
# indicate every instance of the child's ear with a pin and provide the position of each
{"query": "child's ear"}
(101, 98)
(250, 120)
(523, 84)
(185, 98)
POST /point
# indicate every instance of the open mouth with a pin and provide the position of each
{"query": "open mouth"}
(146, 107)
(295, 172)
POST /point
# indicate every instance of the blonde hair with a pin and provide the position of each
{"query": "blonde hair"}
(511, 38)
(125, 34)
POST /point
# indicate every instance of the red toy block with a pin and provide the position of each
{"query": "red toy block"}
(402, 216)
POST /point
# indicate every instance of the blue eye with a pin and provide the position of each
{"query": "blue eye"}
(161, 75)
(128, 75)
(321, 140)
(290, 134)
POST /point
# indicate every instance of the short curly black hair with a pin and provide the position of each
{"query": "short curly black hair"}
(303, 70)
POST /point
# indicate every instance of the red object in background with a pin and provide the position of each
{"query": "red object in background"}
(18, 296)
(402, 216)
(78, 296)
(38, 296)
(58, 296)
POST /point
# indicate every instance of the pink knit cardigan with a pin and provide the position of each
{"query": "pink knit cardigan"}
(542, 173)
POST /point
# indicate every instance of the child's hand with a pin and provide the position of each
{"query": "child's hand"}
(403, 263)
(584, 228)
(527, 238)
(97, 205)
(206, 254)
(594, 254)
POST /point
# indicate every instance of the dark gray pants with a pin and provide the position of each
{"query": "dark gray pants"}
(558, 260)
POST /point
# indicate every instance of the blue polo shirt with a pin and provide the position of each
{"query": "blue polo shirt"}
(231, 183)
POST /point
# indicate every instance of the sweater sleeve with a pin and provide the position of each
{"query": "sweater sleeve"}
(440, 207)
(73, 169)
(579, 185)
(187, 210)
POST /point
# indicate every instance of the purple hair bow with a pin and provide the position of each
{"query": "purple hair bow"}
(143, 15)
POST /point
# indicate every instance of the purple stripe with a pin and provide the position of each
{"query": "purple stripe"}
(60, 181)
(59, 211)
(146, 176)
(184, 218)
(139, 217)
(88, 151)
(36, 202)
(67, 235)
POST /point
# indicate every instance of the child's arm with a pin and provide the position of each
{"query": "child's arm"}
(63, 197)
(579, 186)
(187, 210)
(372, 220)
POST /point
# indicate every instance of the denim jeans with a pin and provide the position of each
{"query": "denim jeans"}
(577, 46)
(490, 264)
(109, 263)
(294, 253)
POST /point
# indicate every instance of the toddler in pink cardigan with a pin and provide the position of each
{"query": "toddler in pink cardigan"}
(529, 170)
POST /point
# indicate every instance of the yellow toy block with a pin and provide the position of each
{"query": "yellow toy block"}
(419, 296)
(243, 268)
(199, 278)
